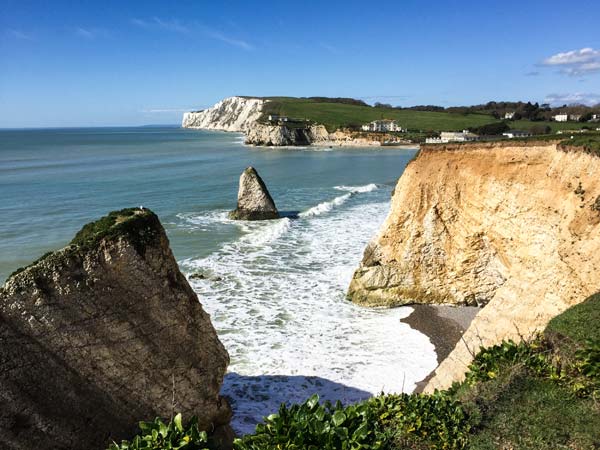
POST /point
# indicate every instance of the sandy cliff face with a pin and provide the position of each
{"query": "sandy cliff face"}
(102, 334)
(231, 114)
(515, 227)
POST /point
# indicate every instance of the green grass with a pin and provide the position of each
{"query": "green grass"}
(554, 126)
(533, 413)
(579, 323)
(339, 115)
(588, 142)
(140, 227)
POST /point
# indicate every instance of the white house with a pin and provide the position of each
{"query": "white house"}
(509, 115)
(575, 117)
(560, 117)
(453, 136)
(382, 126)
(516, 134)
(277, 118)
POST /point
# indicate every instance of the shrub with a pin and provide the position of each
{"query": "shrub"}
(172, 436)
(379, 423)
(489, 361)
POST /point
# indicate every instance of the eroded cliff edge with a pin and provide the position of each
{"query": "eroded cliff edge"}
(514, 226)
(102, 334)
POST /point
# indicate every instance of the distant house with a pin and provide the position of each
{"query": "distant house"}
(560, 118)
(575, 117)
(277, 118)
(516, 134)
(453, 136)
(382, 126)
(509, 115)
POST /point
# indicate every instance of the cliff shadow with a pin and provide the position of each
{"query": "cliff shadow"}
(289, 214)
(254, 397)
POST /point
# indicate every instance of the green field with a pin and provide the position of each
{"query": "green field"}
(339, 115)
(555, 126)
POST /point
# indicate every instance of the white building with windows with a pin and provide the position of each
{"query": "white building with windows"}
(511, 134)
(382, 125)
(453, 136)
(509, 115)
(561, 118)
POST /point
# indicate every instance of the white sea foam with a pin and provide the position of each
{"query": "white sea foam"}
(276, 296)
(325, 207)
(358, 189)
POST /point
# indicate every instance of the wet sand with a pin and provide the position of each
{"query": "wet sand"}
(443, 325)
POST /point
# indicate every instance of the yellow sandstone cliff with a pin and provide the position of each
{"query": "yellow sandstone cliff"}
(513, 226)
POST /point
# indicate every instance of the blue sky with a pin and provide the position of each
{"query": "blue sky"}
(84, 63)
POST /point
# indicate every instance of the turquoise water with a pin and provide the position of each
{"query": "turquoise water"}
(274, 289)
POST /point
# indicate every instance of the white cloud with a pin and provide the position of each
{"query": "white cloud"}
(330, 48)
(17, 34)
(227, 39)
(573, 98)
(91, 33)
(575, 62)
(168, 25)
(179, 27)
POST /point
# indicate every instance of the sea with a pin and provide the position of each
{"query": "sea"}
(275, 290)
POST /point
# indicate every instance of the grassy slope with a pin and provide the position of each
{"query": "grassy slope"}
(337, 115)
(519, 410)
(555, 126)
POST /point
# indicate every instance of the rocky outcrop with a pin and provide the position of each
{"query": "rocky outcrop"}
(102, 334)
(282, 135)
(231, 114)
(254, 201)
(285, 135)
(507, 225)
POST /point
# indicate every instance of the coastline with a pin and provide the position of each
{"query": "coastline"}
(444, 325)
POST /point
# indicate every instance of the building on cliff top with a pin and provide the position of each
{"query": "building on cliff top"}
(561, 117)
(516, 134)
(382, 126)
(453, 136)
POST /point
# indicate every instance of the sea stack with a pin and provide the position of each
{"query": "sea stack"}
(254, 201)
(102, 334)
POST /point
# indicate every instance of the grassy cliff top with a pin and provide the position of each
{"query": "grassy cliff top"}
(140, 227)
(336, 115)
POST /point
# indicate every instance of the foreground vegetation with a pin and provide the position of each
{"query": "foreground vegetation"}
(543, 394)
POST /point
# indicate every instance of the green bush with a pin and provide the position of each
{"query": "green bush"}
(379, 423)
(489, 361)
(172, 436)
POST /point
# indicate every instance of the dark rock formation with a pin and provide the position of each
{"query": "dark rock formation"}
(102, 334)
(254, 201)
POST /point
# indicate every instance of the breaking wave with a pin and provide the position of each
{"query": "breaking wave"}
(276, 295)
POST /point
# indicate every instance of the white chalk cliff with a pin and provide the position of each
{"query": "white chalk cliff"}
(231, 114)
(243, 115)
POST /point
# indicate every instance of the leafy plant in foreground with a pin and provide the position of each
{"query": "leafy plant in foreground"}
(379, 423)
(172, 436)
